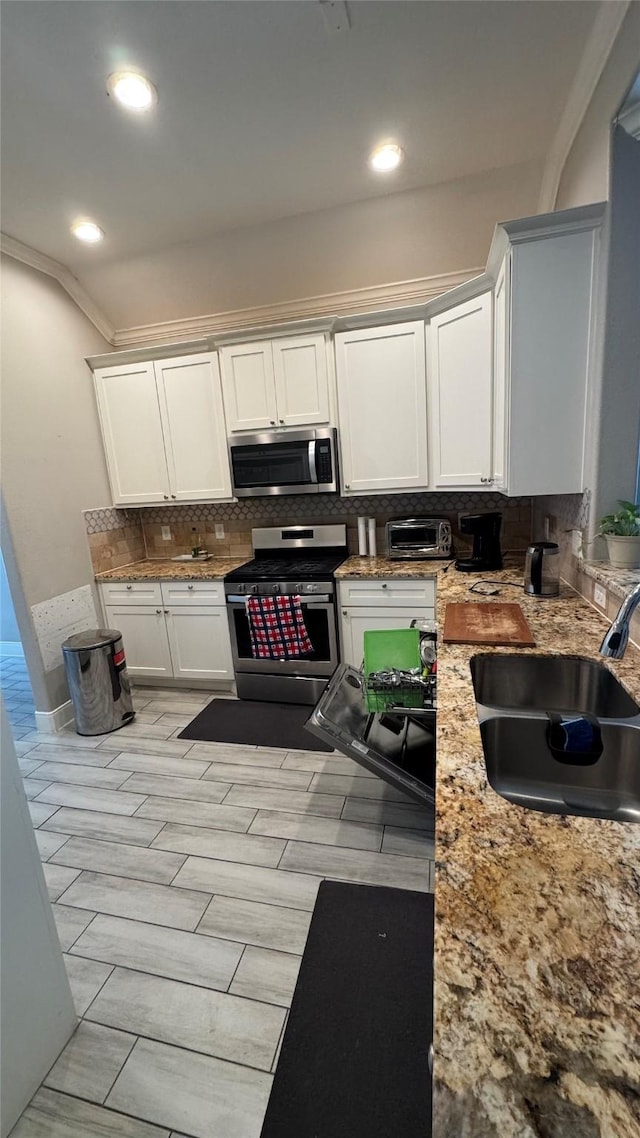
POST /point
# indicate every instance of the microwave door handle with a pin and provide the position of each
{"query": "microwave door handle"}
(313, 473)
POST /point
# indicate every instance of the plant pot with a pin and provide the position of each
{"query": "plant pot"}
(624, 552)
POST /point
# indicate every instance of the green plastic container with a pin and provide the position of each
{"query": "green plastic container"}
(392, 648)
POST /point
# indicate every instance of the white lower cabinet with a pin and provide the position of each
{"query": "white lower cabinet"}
(179, 636)
(367, 605)
(144, 633)
(199, 643)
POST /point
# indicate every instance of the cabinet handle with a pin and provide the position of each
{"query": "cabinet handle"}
(282, 420)
(173, 495)
(158, 612)
(166, 497)
(486, 480)
(344, 612)
(166, 612)
(346, 485)
(273, 422)
(129, 586)
(384, 585)
(189, 586)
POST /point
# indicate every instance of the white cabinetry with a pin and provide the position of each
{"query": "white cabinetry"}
(382, 405)
(550, 288)
(271, 383)
(460, 383)
(374, 604)
(164, 431)
(182, 631)
(500, 441)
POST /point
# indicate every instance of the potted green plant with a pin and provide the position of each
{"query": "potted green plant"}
(622, 533)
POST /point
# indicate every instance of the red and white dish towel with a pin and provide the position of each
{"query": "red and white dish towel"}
(277, 628)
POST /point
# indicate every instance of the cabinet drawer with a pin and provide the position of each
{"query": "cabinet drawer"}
(131, 593)
(193, 592)
(391, 592)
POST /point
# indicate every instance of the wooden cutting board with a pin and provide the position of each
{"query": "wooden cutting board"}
(491, 623)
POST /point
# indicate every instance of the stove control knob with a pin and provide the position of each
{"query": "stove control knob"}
(312, 588)
(275, 588)
(254, 588)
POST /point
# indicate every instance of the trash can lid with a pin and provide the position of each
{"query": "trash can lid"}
(92, 638)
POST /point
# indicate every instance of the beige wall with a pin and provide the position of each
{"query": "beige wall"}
(585, 177)
(52, 459)
(402, 236)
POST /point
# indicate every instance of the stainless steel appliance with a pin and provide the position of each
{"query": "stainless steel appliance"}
(486, 554)
(399, 746)
(542, 569)
(284, 462)
(289, 561)
(418, 538)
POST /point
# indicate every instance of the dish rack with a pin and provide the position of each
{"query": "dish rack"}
(399, 675)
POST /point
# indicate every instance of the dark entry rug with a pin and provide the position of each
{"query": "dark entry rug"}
(354, 1060)
(255, 724)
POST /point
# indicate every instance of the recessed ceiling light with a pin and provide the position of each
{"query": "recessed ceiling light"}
(87, 231)
(132, 90)
(385, 158)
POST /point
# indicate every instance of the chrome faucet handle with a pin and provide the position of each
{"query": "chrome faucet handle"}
(615, 641)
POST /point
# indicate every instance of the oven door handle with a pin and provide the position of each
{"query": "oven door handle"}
(313, 473)
(314, 601)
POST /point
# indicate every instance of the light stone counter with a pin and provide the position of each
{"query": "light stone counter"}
(537, 958)
(368, 567)
(152, 569)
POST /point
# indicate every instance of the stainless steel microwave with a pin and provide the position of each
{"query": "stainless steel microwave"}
(284, 462)
(409, 538)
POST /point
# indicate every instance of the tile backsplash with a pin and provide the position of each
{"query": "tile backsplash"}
(118, 536)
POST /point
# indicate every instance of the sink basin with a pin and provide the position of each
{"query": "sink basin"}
(569, 684)
(522, 768)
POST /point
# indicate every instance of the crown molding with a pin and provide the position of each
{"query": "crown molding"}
(286, 317)
(36, 260)
(306, 311)
(597, 50)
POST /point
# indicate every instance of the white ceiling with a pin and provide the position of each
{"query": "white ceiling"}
(263, 113)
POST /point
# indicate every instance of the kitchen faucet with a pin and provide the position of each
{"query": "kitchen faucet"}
(615, 641)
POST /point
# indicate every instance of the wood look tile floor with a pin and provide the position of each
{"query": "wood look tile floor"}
(183, 878)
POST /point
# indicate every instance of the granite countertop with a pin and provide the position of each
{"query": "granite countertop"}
(160, 569)
(537, 965)
(620, 582)
(355, 567)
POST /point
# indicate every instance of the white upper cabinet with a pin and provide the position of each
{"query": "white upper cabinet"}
(550, 312)
(302, 386)
(164, 431)
(276, 383)
(382, 408)
(194, 428)
(132, 430)
(248, 385)
(460, 383)
(499, 450)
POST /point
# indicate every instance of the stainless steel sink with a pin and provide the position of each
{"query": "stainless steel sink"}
(560, 734)
(570, 684)
(522, 768)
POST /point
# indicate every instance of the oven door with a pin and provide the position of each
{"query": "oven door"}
(319, 614)
(298, 462)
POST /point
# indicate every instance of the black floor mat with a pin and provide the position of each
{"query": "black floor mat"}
(354, 1060)
(255, 724)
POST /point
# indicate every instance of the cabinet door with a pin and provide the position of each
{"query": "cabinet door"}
(144, 633)
(354, 622)
(132, 431)
(302, 385)
(500, 377)
(200, 643)
(248, 386)
(461, 380)
(194, 427)
(382, 408)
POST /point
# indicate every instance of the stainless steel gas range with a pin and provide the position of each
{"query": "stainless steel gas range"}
(289, 561)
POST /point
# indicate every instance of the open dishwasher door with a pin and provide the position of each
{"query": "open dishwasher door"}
(400, 747)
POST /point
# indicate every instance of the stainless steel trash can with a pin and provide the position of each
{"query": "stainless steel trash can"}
(98, 681)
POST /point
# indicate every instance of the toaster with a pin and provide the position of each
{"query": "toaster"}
(418, 538)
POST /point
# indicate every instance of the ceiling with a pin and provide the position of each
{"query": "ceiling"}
(263, 113)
